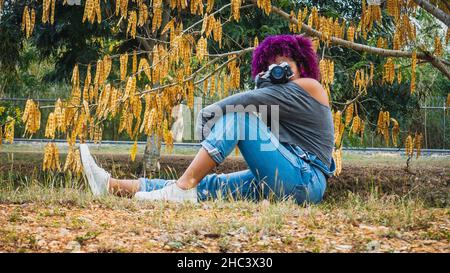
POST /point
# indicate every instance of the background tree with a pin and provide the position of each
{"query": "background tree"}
(168, 51)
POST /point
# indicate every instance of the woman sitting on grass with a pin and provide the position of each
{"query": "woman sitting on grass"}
(294, 164)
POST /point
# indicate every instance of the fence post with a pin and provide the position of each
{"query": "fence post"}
(443, 145)
(426, 137)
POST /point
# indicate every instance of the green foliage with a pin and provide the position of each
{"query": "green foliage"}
(8, 110)
(41, 67)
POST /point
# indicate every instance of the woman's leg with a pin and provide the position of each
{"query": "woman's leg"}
(230, 186)
(101, 182)
(128, 188)
(276, 170)
(124, 188)
(197, 170)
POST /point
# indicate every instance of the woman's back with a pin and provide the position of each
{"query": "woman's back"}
(303, 120)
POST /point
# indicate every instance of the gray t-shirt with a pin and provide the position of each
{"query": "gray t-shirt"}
(303, 120)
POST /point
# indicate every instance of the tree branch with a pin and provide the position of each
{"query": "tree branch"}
(438, 63)
(435, 11)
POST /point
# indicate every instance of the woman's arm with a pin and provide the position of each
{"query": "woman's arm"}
(248, 101)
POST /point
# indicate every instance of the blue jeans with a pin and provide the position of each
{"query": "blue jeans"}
(275, 169)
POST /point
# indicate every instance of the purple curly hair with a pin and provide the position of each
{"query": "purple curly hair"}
(297, 47)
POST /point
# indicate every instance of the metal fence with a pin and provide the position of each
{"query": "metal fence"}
(434, 116)
(436, 127)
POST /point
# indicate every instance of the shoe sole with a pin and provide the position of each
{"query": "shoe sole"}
(85, 159)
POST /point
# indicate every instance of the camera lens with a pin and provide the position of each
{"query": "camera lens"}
(277, 72)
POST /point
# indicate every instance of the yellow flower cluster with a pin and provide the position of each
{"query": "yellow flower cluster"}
(292, 26)
(48, 11)
(383, 125)
(73, 161)
(413, 71)
(235, 72)
(209, 5)
(327, 74)
(265, 5)
(395, 131)
(327, 71)
(202, 48)
(87, 82)
(157, 14)
(316, 44)
(339, 127)
(178, 4)
(255, 42)
(313, 19)
(28, 21)
(393, 8)
(211, 25)
(123, 66)
(405, 31)
(357, 127)
(133, 151)
(150, 115)
(9, 130)
(337, 156)
(143, 14)
(122, 8)
(351, 33)
(160, 64)
(381, 42)
(438, 49)
(409, 146)
(370, 15)
(389, 71)
(330, 27)
(51, 158)
(236, 9)
(196, 7)
(349, 111)
(50, 129)
(132, 24)
(144, 67)
(217, 32)
(168, 136)
(362, 80)
(31, 117)
(418, 143)
(413, 143)
(92, 11)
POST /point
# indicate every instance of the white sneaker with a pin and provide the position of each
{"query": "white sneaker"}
(169, 193)
(97, 177)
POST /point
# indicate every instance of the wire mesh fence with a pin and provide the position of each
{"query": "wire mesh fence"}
(434, 123)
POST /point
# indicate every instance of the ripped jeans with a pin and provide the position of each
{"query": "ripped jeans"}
(276, 170)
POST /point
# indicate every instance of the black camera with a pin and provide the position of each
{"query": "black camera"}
(277, 74)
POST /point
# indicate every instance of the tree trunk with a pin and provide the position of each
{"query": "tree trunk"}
(152, 155)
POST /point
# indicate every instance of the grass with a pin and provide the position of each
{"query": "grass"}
(33, 216)
(353, 158)
(45, 212)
